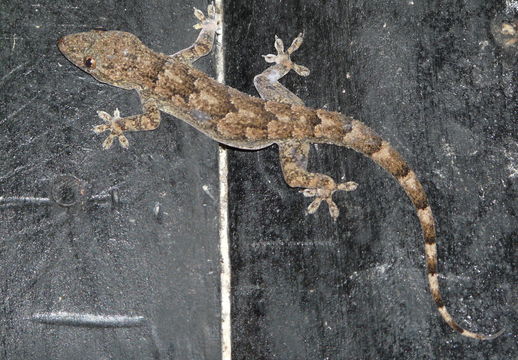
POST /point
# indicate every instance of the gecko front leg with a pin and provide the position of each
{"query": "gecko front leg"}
(294, 153)
(149, 120)
(203, 44)
(267, 83)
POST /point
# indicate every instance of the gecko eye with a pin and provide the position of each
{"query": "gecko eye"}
(89, 62)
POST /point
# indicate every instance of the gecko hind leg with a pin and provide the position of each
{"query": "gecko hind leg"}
(294, 161)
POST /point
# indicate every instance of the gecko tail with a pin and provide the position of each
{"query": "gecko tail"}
(433, 282)
(363, 139)
(453, 324)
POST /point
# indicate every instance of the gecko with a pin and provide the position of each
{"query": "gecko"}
(171, 84)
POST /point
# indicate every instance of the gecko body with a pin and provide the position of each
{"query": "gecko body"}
(170, 83)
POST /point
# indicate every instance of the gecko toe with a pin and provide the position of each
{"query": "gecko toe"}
(295, 44)
(210, 22)
(333, 209)
(315, 204)
(347, 186)
(100, 128)
(283, 57)
(211, 10)
(313, 207)
(108, 142)
(105, 116)
(326, 195)
(199, 14)
(123, 141)
(111, 124)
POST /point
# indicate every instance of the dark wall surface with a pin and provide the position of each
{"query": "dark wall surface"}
(114, 254)
(429, 77)
(103, 254)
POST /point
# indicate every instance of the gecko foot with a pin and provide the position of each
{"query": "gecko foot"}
(327, 196)
(210, 23)
(113, 126)
(283, 57)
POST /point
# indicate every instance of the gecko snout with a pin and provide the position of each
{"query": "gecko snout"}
(73, 47)
(62, 44)
(59, 43)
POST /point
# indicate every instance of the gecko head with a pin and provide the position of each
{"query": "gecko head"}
(114, 57)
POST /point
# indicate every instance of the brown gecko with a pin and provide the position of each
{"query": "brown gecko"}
(170, 84)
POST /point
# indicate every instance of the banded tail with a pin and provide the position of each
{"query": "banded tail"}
(362, 139)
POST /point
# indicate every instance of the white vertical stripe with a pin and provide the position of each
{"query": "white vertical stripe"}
(225, 276)
(225, 257)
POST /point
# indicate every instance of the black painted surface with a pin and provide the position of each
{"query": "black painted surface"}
(121, 261)
(429, 78)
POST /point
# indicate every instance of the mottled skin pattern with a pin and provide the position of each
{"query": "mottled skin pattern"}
(506, 33)
(170, 84)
